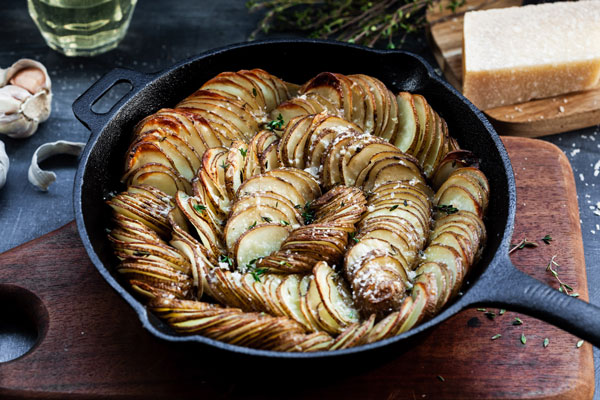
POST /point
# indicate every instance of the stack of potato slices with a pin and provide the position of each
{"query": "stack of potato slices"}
(297, 218)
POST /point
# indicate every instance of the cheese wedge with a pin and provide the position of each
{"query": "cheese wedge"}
(512, 55)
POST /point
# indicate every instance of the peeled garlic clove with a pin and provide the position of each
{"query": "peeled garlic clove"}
(4, 164)
(25, 98)
(40, 178)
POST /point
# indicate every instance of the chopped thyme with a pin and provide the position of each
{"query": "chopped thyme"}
(199, 207)
(285, 263)
(496, 336)
(307, 214)
(243, 151)
(141, 253)
(266, 219)
(441, 378)
(502, 311)
(284, 223)
(353, 237)
(392, 208)
(523, 338)
(547, 239)
(257, 273)
(482, 309)
(580, 343)
(224, 259)
(253, 225)
(276, 123)
(447, 208)
(517, 321)
(224, 165)
(546, 342)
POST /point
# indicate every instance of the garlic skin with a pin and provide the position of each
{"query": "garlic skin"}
(40, 178)
(25, 98)
(4, 164)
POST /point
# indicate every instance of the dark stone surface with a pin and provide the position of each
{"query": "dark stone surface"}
(161, 33)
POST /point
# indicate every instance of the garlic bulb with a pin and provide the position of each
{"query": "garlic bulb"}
(25, 98)
(40, 178)
(4, 164)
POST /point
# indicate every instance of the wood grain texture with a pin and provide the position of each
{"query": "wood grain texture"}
(534, 118)
(94, 346)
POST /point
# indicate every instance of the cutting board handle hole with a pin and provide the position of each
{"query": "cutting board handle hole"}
(24, 322)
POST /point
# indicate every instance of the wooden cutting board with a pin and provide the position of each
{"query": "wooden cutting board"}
(92, 344)
(532, 119)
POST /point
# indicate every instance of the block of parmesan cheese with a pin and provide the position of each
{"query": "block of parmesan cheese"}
(512, 55)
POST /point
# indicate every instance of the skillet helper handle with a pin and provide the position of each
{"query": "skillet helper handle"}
(82, 106)
(520, 292)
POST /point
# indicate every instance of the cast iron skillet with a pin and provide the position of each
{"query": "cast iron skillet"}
(496, 281)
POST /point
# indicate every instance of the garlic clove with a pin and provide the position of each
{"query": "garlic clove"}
(28, 74)
(31, 79)
(40, 178)
(4, 164)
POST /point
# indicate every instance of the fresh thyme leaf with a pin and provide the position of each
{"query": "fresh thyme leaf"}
(502, 311)
(266, 219)
(517, 321)
(447, 208)
(257, 273)
(496, 336)
(441, 378)
(547, 239)
(276, 123)
(141, 253)
(546, 342)
(287, 264)
(394, 207)
(482, 309)
(353, 237)
(199, 207)
(490, 315)
(284, 223)
(243, 151)
(224, 165)
(580, 343)
(253, 225)
(523, 338)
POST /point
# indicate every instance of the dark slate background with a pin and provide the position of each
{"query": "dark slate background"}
(161, 33)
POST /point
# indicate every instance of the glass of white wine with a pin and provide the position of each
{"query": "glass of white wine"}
(82, 27)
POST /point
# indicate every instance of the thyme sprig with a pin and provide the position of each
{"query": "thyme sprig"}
(521, 245)
(384, 23)
(564, 287)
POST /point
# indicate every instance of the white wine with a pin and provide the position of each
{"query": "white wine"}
(82, 27)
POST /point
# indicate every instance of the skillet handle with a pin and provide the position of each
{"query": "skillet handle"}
(82, 106)
(519, 292)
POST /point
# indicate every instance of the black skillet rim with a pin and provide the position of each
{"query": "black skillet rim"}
(143, 313)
